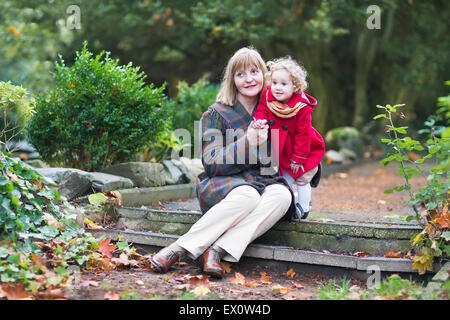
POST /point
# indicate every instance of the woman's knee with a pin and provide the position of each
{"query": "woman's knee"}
(248, 196)
(281, 192)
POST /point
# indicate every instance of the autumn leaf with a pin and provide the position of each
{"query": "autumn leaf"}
(115, 197)
(264, 278)
(39, 261)
(200, 280)
(423, 263)
(51, 220)
(111, 296)
(361, 254)
(139, 282)
(12, 176)
(283, 290)
(252, 284)
(290, 273)
(393, 253)
(297, 285)
(201, 290)
(226, 267)
(15, 292)
(238, 279)
(105, 247)
(91, 225)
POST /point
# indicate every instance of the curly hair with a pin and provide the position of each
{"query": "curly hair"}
(297, 72)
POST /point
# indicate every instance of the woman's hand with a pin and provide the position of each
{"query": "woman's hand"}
(295, 166)
(257, 132)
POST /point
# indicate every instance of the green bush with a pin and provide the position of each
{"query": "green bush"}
(190, 103)
(99, 113)
(15, 109)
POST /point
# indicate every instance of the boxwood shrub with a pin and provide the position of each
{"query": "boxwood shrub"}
(99, 113)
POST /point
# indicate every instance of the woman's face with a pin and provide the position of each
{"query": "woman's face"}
(249, 82)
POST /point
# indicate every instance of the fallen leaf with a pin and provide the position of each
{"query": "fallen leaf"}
(39, 261)
(393, 253)
(111, 296)
(380, 171)
(282, 290)
(105, 247)
(238, 279)
(264, 278)
(361, 254)
(226, 267)
(15, 292)
(290, 273)
(342, 175)
(139, 282)
(115, 196)
(381, 203)
(12, 176)
(201, 290)
(297, 285)
(122, 260)
(200, 280)
(91, 225)
(51, 220)
(252, 284)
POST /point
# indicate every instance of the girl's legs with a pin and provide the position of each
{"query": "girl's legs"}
(303, 187)
(274, 203)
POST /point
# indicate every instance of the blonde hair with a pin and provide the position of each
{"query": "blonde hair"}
(241, 60)
(297, 72)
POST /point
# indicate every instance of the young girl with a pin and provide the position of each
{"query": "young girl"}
(285, 106)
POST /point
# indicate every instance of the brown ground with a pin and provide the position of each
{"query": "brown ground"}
(138, 284)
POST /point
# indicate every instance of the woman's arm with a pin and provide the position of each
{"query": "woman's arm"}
(225, 152)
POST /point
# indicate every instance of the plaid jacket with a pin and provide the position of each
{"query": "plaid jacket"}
(228, 160)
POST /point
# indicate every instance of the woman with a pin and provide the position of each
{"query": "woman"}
(238, 203)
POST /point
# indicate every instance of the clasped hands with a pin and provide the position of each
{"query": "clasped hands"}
(257, 132)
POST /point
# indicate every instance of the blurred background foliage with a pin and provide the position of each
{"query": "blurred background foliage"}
(351, 68)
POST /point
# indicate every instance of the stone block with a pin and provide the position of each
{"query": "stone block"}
(143, 174)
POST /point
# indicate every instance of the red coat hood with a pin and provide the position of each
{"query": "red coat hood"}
(296, 97)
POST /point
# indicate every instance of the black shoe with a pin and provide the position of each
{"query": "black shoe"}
(300, 213)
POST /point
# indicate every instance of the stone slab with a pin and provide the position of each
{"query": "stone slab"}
(308, 257)
(386, 264)
(443, 274)
(275, 253)
(146, 196)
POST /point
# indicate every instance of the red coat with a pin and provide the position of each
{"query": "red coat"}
(298, 140)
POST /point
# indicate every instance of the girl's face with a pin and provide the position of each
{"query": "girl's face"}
(249, 82)
(282, 87)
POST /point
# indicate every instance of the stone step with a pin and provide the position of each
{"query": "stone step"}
(337, 236)
(274, 253)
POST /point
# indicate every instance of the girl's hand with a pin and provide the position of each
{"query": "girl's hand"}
(258, 124)
(295, 166)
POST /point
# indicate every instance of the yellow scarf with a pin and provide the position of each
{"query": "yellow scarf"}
(282, 110)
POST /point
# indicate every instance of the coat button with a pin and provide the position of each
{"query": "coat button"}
(271, 123)
(285, 127)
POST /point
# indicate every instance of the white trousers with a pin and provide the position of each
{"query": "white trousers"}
(233, 223)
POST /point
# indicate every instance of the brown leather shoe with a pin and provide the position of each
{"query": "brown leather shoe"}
(162, 261)
(210, 261)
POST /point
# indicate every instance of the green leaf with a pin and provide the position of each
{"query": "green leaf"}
(97, 199)
(382, 115)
